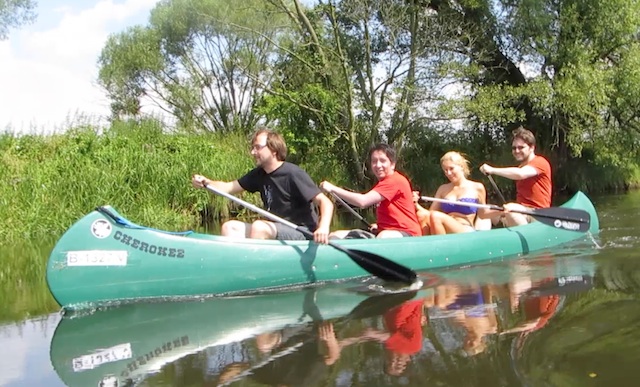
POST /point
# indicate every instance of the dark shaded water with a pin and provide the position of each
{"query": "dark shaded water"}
(564, 317)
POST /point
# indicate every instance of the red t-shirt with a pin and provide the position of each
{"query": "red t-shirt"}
(541, 307)
(404, 323)
(536, 191)
(397, 211)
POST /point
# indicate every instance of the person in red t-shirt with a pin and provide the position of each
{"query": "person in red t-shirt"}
(402, 336)
(532, 176)
(396, 214)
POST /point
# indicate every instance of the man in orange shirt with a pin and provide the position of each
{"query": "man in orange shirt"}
(532, 176)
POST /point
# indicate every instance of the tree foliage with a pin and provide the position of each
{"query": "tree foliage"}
(424, 75)
(202, 61)
(14, 13)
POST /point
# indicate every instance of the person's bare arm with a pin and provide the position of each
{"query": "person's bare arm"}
(513, 173)
(230, 187)
(355, 198)
(321, 235)
(484, 213)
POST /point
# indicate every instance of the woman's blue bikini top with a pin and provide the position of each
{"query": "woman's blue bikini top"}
(448, 208)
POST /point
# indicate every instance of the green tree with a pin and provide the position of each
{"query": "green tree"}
(204, 62)
(366, 60)
(14, 13)
(560, 67)
(424, 75)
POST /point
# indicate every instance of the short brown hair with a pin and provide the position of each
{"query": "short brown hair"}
(525, 135)
(386, 149)
(275, 142)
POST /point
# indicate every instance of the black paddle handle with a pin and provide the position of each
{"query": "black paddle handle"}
(495, 187)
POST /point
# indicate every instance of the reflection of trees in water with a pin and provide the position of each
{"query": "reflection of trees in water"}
(596, 336)
(620, 274)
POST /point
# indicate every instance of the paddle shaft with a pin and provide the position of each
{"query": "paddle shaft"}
(531, 212)
(373, 263)
(351, 210)
(259, 210)
(495, 187)
(468, 204)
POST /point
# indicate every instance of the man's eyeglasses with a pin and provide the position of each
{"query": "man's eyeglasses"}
(518, 147)
(257, 147)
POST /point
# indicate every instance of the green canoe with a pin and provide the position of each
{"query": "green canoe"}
(103, 258)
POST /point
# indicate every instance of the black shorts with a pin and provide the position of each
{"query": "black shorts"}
(359, 234)
(286, 233)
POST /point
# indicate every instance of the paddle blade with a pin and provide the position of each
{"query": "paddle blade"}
(377, 305)
(565, 218)
(382, 267)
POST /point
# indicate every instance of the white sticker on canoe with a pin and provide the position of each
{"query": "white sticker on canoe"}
(109, 355)
(566, 224)
(97, 258)
(101, 228)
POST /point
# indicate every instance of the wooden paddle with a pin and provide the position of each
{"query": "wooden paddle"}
(378, 266)
(351, 210)
(559, 217)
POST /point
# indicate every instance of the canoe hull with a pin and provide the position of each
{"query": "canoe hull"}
(100, 261)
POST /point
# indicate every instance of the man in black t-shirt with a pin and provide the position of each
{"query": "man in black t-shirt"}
(286, 191)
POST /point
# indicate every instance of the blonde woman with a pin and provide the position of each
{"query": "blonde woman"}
(447, 218)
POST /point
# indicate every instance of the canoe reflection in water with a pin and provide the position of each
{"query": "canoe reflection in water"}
(467, 312)
(318, 336)
(302, 355)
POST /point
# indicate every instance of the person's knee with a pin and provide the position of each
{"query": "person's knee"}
(482, 224)
(512, 219)
(423, 215)
(339, 234)
(263, 230)
(436, 218)
(234, 228)
(389, 234)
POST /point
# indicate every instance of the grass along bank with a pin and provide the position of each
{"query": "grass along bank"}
(49, 182)
(137, 168)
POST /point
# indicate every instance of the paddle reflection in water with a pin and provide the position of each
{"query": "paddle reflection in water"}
(461, 329)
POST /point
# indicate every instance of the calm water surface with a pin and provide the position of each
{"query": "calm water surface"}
(565, 317)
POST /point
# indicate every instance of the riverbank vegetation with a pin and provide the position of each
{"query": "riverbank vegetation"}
(138, 167)
(333, 77)
(429, 78)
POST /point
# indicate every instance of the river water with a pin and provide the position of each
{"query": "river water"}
(570, 316)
